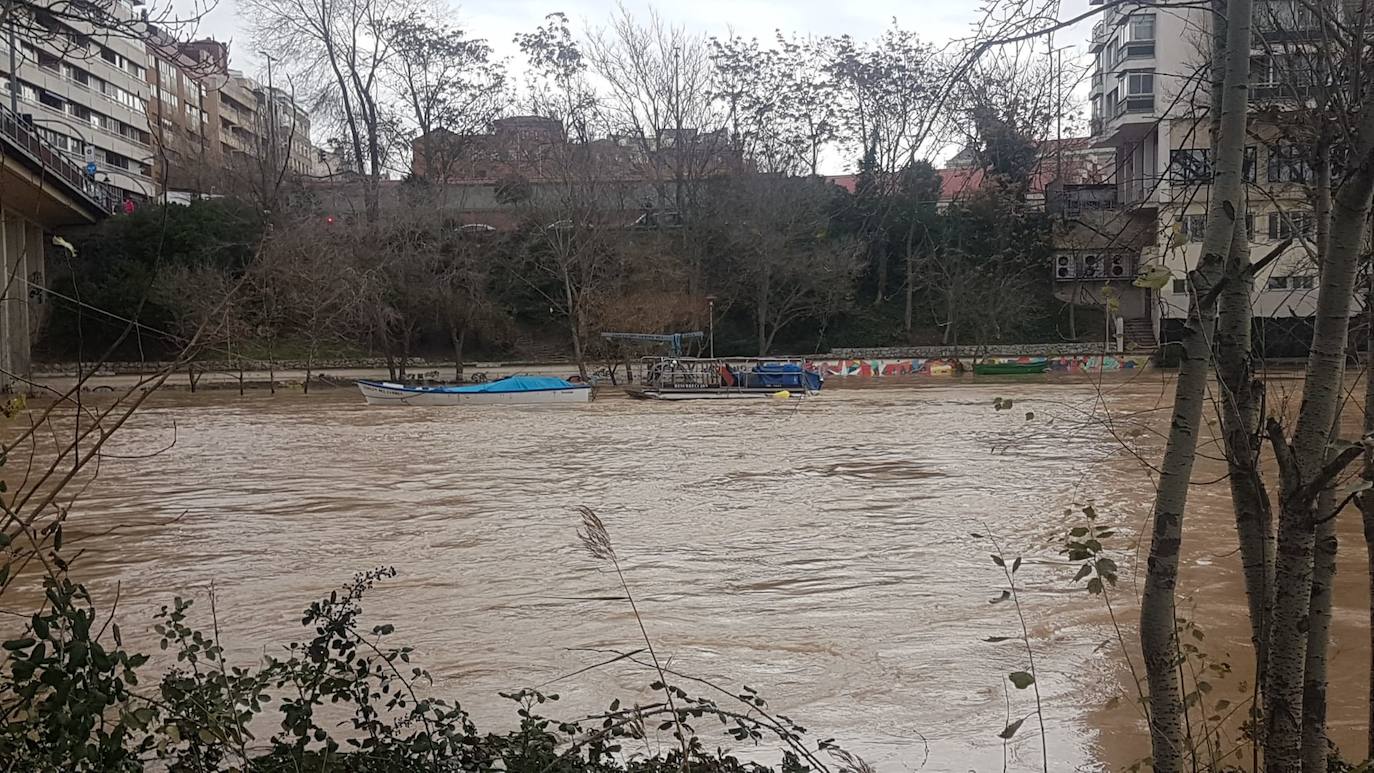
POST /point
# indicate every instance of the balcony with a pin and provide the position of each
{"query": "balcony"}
(1281, 92)
(1074, 200)
(1136, 103)
(1099, 36)
(1138, 49)
(1095, 83)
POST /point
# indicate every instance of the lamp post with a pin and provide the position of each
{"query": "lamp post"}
(711, 323)
(14, 63)
(271, 115)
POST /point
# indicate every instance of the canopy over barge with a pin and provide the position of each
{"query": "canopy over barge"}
(688, 378)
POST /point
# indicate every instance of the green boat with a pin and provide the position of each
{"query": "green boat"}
(1009, 368)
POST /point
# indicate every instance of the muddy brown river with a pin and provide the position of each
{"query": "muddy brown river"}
(818, 552)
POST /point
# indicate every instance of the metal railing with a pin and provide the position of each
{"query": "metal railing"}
(23, 135)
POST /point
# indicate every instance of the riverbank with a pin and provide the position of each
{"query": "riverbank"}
(292, 374)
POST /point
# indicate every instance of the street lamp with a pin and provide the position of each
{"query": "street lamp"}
(711, 323)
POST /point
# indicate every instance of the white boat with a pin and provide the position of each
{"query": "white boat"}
(512, 390)
(692, 378)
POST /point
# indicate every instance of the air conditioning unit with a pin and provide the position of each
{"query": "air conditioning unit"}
(1063, 267)
(1092, 267)
(1116, 267)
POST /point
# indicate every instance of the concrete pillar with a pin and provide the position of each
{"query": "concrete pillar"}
(22, 325)
(13, 247)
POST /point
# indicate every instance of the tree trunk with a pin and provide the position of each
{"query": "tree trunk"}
(1367, 505)
(1158, 633)
(574, 323)
(951, 320)
(1367, 516)
(761, 311)
(910, 292)
(881, 268)
(456, 334)
(1240, 402)
(1324, 544)
(309, 367)
(1293, 567)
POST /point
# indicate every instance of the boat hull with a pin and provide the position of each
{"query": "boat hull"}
(715, 394)
(1009, 368)
(383, 393)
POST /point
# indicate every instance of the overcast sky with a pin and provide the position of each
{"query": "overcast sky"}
(499, 20)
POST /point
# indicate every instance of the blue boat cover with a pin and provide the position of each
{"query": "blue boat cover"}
(782, 375)
(511, 384)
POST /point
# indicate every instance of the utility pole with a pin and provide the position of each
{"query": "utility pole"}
(271, 115)
(14, 61)
(270, 171)
(1059, 118)
(711, 323)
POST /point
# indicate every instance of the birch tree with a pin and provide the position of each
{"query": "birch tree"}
(1158, 632)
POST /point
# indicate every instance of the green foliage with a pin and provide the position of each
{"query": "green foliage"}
(114, 273)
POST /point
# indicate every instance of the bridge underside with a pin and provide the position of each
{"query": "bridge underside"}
(34, 201)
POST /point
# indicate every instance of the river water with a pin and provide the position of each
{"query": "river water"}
(819, 552)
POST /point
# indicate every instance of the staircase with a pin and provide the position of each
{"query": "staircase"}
(1140, 334)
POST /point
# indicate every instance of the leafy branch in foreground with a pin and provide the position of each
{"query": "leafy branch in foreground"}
(72, 697)
(1020, 679)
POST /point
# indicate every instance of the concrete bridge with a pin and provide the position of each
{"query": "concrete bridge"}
(40, 190)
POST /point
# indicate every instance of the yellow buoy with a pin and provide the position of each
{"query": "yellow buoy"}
(783, 395)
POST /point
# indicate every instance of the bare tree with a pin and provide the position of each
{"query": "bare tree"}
(775, 233)
(448, 83)
(338, 50)
(780, 102)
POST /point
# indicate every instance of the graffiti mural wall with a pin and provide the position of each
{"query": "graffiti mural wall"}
(949, 366)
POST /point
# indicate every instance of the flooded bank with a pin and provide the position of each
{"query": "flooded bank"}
(818, 552)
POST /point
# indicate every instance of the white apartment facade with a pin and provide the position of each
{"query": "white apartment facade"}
(1149, 91)
(85, 91)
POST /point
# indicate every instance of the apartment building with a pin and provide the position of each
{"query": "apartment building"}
(261, 127)
(184, 79)
(1149, 91)
(85, 91)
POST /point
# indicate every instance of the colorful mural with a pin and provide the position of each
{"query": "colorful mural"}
(948, 366)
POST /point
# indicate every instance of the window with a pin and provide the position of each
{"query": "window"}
(1283, 225)
(1302, 281)
(1283, 16)
(164, 69)
(1193, 165)
(1289, 164)
(1194, 226)
(1180, 287)
(1141, 28)
(1276, 283)
(1140, 91)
